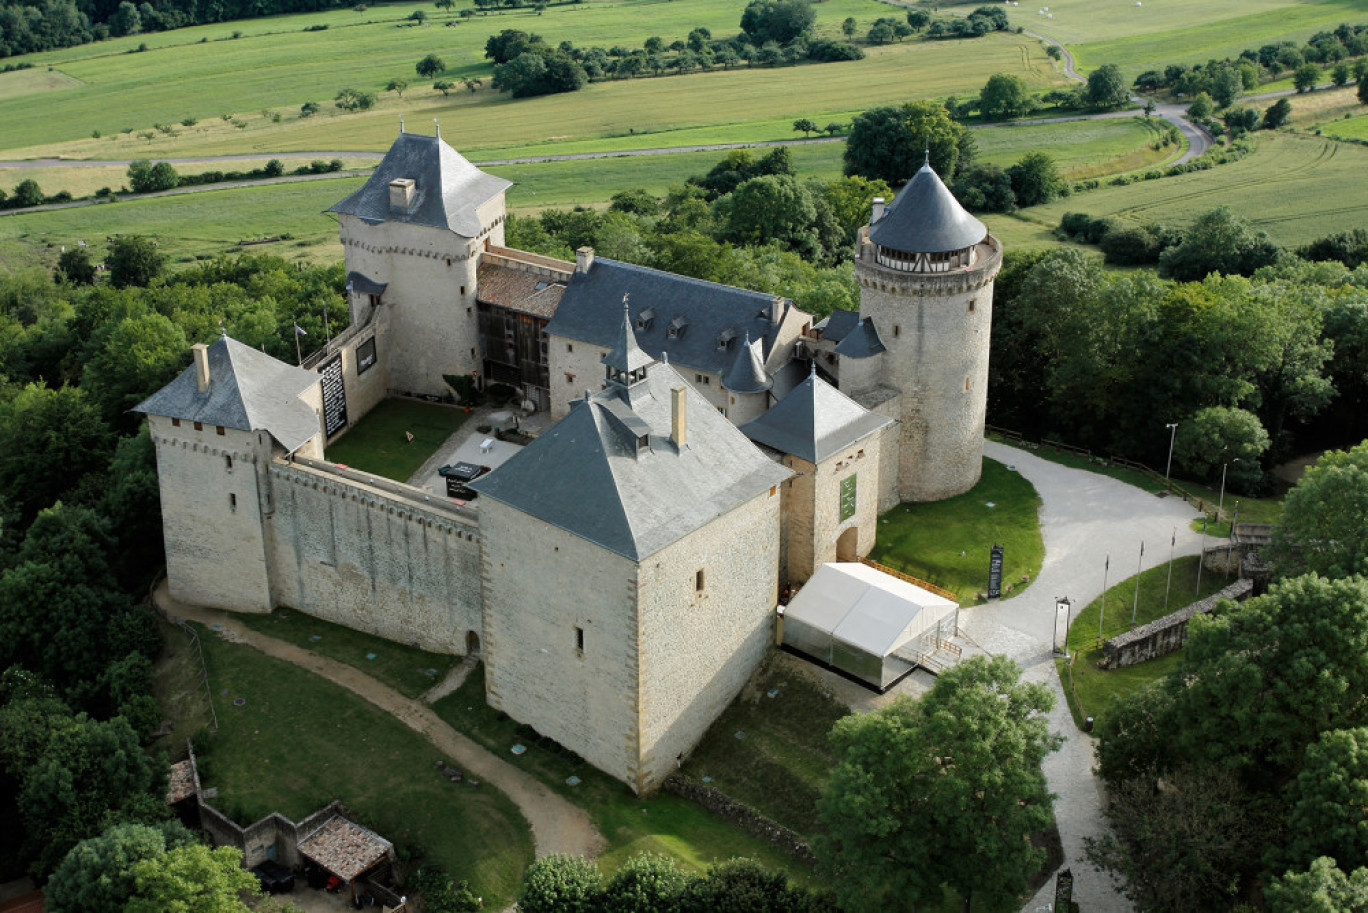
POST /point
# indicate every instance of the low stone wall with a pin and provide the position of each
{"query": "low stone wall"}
(1164, 635)
(743, 816)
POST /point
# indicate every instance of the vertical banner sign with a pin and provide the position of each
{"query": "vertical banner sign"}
(995, 573)
(334, 397)
(1064, 891)
(847, 498)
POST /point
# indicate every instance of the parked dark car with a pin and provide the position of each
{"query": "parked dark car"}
(274, 877)
(457, 475)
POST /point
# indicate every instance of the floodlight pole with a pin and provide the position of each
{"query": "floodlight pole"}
(1169, 586)
(1102, 611)
(1135, 604)
(1201, 558)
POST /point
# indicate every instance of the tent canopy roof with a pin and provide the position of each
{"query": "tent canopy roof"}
(864, 607)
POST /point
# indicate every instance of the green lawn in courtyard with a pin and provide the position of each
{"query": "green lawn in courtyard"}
(1092, 691)
(297, 741)
(408, 670)
(662, 823)
(377, 443)
(948, 542)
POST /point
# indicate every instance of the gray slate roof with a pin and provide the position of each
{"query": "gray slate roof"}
(814, 422)
(925, 217)
(747, 372)
(248, 391)
(589, 312)
(861, 342)
(447, 187)
(585, 475)
(360, 282)
(838, 325)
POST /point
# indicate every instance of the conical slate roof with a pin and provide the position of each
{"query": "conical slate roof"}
(747, 372)
(814, 421)
(248, 391)
(626, 356)
(447, 188)
(925, 218)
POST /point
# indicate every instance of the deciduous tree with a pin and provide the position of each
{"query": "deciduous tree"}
(430, 66)
(1324, 525)
(1107, 87)
(560, 883)
(1005, 95)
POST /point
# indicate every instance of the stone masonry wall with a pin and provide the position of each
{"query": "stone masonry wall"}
(1165, 635)
(383, 558)
(540, 584)
(699, 647)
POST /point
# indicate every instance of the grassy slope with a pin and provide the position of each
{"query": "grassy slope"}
(662, 823)
(277, 66)
(1297, 188)
(299, 741)
(926, 540)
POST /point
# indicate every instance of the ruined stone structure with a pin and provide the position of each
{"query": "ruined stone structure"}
(619, 574)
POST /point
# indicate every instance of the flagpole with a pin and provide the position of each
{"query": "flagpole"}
(1201, 554)
(1138, 562)
(1172, 544)
(299, 356)
(1102, 612)
(327, 330)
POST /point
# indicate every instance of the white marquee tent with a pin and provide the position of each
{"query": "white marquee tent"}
(866, 623)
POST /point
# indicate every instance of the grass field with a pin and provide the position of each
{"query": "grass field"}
(274, 67)
(377, 443)
(297, 742)
(1296, 188)
(1092, 691)
(662, 823)
(948, 542)
(406, 669)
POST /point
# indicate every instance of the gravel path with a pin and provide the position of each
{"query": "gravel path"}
(1085, 518)
(557, 825)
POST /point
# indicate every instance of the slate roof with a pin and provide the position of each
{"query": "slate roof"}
(248, 391)
(925, 217)
(447, 191)
(838, 325)
(814, 421)
(360, 282)
(747, 372)
(344, 848)
(587, 476)
(861, 342)
(517, 290)
(703, 311)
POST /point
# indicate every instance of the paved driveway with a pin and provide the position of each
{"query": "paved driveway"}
(1085, 517)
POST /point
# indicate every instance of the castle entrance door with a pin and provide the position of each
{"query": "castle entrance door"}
(846, 545)
(472, 644)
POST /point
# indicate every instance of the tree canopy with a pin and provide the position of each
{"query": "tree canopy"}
(891, 143)
(1005, 96)
(1324, 524)
(97, 875)
(779, 21)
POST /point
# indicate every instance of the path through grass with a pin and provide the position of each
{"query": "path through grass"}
(377, 443)
(297, 741)
(948, 542)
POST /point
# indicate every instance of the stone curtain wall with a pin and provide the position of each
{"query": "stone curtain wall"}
(375, 556)
(1164, 635)
(743, 816)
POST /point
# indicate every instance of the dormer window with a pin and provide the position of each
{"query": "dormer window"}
(645, 319)
(725, 337)
(677, 327)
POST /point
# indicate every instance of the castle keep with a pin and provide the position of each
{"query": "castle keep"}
(619, 575)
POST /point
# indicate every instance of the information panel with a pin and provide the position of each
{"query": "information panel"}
(365, 356)
(847, 498)
(334, 396)
(995, 573)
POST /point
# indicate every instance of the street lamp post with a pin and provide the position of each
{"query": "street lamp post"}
(1173, 432)
(1061, 638)
(1220, 504)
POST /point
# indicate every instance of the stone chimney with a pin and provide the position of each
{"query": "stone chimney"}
(584, 258)
(776, 309)
(401, 193)
(878, 211)
(201, 353)
(678, 403)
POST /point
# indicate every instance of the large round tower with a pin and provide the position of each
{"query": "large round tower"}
(926, 270)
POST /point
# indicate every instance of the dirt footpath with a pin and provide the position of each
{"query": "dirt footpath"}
(557, 825)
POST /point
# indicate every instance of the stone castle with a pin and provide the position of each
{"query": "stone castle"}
(619, 575)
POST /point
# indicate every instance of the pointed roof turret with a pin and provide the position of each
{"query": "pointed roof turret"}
(814, 421)
(747, 372)
(446, 189)
(626, 363)
(926, 218)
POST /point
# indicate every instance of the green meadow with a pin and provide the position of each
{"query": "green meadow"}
(1297, 188)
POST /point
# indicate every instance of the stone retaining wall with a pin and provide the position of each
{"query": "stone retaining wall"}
(743, 816)
(1164, 635)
